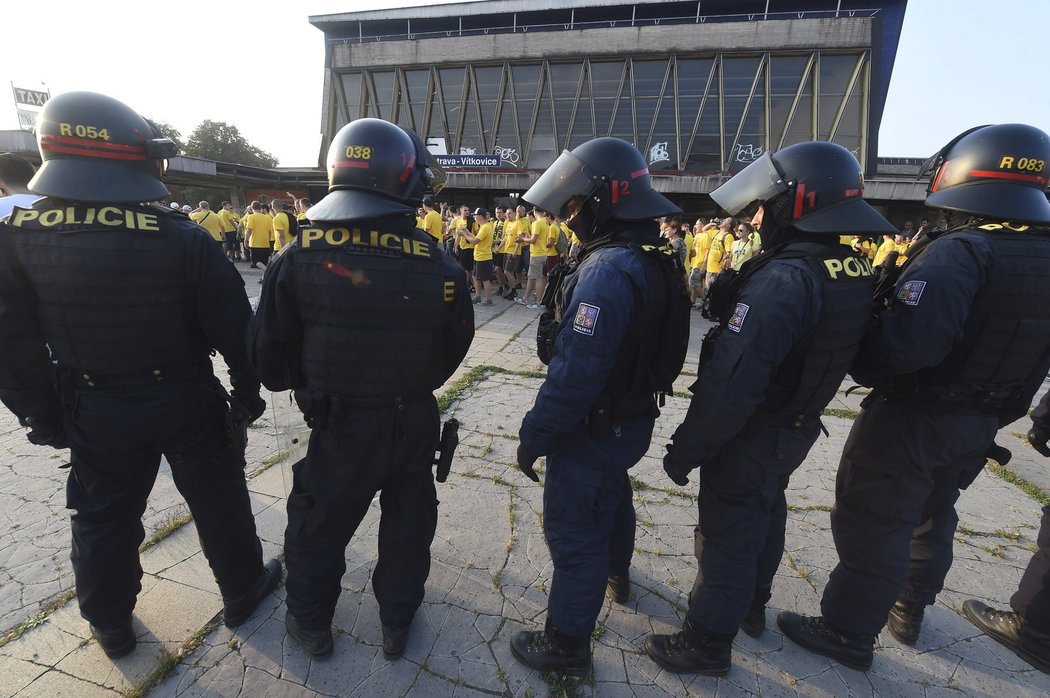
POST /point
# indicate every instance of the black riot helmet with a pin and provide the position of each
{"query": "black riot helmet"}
(995, 171)
(97, 149)
(815, 188)
(376, 169)
(601, 180)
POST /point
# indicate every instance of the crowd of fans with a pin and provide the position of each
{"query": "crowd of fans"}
(506, 254)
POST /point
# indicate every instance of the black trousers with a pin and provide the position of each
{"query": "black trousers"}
(894, 517)
(740, 539)
(1032, 598)
(117, 437)
(350, 459)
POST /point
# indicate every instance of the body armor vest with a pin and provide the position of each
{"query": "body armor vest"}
(806, 381)
(113, 291)
(374, 306)
(653, 349)
(1005, 348)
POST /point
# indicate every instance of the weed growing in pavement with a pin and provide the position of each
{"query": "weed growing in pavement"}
(172, 524)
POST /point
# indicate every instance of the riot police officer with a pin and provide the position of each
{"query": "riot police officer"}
(961, 350)
(364, 316)
(1026, 628)
(118, 304)
(622, 328)
(790, 323)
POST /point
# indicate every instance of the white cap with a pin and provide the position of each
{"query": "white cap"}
(175, 205)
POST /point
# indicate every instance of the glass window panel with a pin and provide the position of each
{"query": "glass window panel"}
(506, 142)
(526, 82)
(835, 72)
(801, 127)
(545, 140)
(849, 133)
(752, 125)
(352, 90)
(692, 75)
(417, 81)
(488, 79)
(452, 89)
(706, 155)
(785, 73)
(582, 129)
(470, 140)
(648, 81)
(565, 80)
(384, 84)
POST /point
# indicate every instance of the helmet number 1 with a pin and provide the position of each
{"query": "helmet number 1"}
(620, 187)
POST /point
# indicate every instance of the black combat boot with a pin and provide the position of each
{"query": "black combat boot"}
(905, 621)
(239, 609)
(1008, 628)
(316, 643)
(550, 650)
(619, 587)
(754, 623)
(116, 641)
(814, 633)
(694, 650)
(394, 640)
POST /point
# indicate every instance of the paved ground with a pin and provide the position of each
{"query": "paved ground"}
(490, 576)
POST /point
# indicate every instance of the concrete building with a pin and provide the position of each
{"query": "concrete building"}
(702, 88)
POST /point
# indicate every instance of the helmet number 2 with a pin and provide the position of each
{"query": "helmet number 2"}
(620, 187)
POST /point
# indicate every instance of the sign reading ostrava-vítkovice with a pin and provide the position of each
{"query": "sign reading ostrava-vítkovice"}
(469, 160)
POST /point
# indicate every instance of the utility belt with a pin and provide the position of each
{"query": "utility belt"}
(606, 416)
(989, 400)
(92, 380)
(785, 420)
(326, 412)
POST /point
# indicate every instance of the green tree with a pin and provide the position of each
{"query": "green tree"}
(169, 131)
(217, 140)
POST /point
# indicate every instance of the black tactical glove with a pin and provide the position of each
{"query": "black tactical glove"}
(252, 402)
(676, 468)
(1038, 437)
(42, 434)
(526, 459)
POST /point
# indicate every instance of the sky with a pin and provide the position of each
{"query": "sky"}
(960, 63)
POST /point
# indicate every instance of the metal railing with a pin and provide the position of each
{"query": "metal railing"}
(409, 35)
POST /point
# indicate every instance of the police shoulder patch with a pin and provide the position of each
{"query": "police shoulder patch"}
(736, 323)
(910, 292)
(586, 318)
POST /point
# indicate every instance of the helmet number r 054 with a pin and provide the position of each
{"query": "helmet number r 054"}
(82, 131)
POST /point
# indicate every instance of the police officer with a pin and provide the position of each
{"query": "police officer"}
(789, 326)
(1026, 629)
(624, 318)
(119, 303)
(961, 350)
(364, 316)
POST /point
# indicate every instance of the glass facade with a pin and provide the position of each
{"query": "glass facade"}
(701, 114)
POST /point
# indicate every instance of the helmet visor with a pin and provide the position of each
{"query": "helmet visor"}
(436, 178)
(568, 177)
(760, 181)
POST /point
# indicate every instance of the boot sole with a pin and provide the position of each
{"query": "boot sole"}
(575, 672)
(121, 651)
